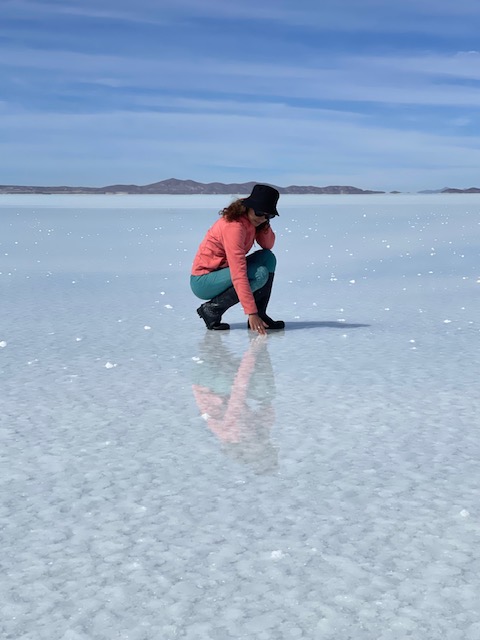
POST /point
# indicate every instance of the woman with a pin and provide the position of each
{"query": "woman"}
(224, 274)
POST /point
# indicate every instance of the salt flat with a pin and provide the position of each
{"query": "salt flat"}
(162, 481)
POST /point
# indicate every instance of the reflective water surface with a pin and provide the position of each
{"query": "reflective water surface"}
(162, 481)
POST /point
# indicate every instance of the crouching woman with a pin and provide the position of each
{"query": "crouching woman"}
(224, 274)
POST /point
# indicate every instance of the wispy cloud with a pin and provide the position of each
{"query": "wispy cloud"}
(110, 91)
(271, 145)
(416, 80)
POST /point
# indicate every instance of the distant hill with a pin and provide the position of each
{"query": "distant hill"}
(180, 187)
(184, 187)
(470, 190)
(451, 190)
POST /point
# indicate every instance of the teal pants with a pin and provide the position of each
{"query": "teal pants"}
(259, 265)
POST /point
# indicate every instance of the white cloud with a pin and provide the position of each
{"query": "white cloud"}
(141, 148)
(194, 115)
(460, 65)
(393, 80)
(420, 16)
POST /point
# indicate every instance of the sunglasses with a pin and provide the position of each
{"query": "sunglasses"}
(262, 214)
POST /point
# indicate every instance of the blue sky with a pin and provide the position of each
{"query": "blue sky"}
(378, 94)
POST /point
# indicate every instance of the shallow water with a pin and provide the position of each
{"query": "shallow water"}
(162, 481)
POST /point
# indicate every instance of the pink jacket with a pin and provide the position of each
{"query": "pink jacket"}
(226, 244)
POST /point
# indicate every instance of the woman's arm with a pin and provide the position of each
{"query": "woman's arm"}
(265, 236)
(234, 239)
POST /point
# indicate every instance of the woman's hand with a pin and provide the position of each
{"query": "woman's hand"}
(264, 226)
(257, 324)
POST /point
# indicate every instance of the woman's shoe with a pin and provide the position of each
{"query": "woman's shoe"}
(211, 318)
(212, 311)
(272, 324)
(262, 297)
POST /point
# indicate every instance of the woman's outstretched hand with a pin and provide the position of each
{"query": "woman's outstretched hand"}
(257, 324)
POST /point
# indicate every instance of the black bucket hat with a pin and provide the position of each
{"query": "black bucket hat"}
(263, 199)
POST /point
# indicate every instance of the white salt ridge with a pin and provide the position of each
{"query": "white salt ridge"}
(319, 483)
(3, 344)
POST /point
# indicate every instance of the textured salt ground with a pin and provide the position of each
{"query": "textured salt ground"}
(339, 499)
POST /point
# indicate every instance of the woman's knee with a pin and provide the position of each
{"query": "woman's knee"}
(266, 258)
(271, 261)
(259, 278)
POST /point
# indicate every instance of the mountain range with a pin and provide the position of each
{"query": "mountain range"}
(182, 187)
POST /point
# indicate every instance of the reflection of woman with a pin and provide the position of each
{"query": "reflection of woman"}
(223, 274)
(235, 399)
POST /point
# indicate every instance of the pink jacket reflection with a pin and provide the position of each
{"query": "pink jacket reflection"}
(241, 419)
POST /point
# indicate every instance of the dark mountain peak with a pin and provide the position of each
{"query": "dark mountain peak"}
(451, 190)
(181, 187)
(175, 186)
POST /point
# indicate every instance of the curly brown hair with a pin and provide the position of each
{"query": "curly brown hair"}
(234, 211)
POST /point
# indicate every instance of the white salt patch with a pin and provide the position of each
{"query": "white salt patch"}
(3, 344)
(147, 328)
(446, 321)
(277, 554)
(110, 365)
(168, 306)
(464, 513)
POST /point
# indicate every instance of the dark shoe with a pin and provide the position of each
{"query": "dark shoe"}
(272, 324)
(211, 318)
(262, 297)
(212, 311)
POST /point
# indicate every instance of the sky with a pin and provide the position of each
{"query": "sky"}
(373, 94)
